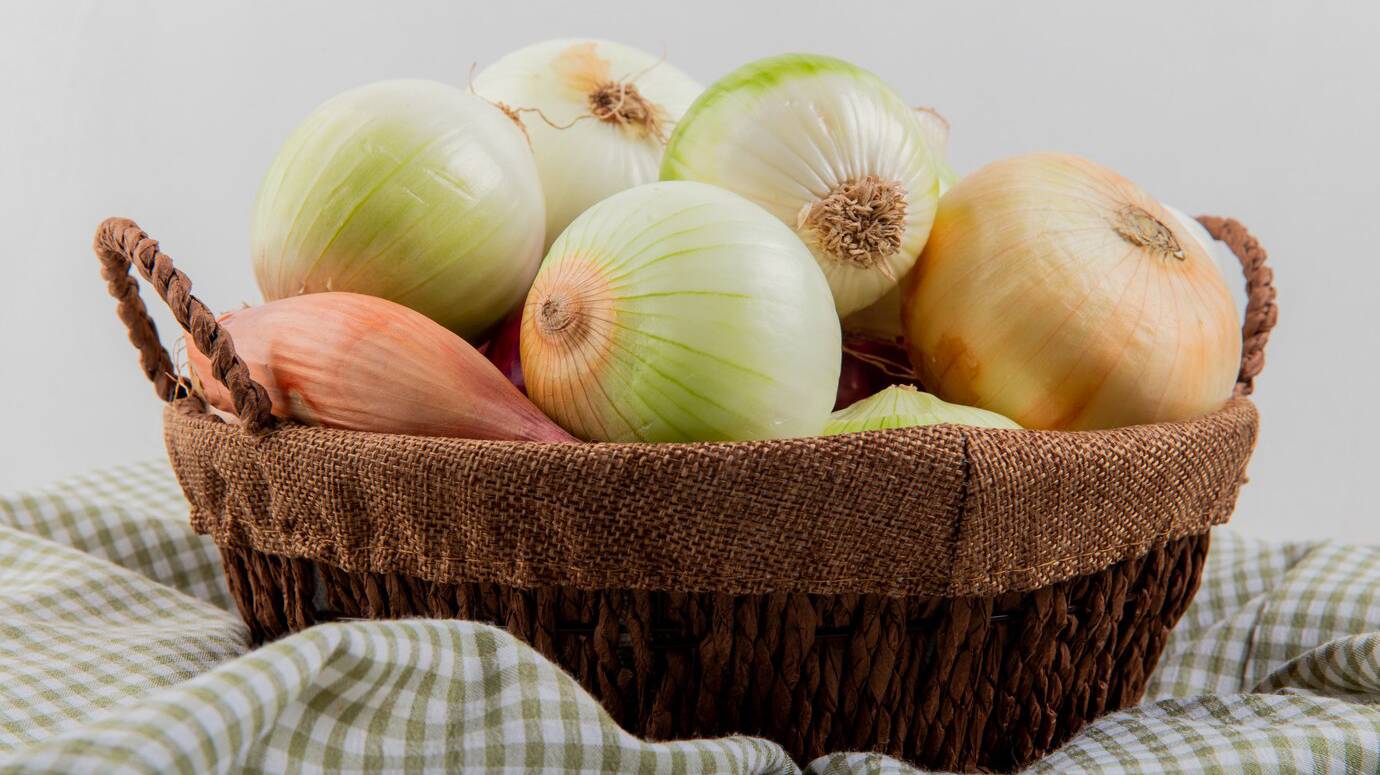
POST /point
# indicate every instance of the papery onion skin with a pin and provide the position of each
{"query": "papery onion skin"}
(804, 136)
(1056, 292)
(346, 360)
(1221, 253)
(901, 406)
(584, 157)
(412, 191)
(680, 312)
(936, 131)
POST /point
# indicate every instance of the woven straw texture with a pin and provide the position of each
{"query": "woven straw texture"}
(952, 683)
(965, 598)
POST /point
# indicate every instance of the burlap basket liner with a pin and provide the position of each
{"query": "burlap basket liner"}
(943, 511)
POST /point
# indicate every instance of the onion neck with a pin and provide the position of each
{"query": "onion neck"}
(859, 222)
(1138, 227)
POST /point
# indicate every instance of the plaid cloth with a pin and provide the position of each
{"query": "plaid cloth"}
(117, 655)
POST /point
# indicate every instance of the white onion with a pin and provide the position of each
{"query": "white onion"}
(828, 149)
(612, 106)
(680, 312)
(902, 406)
(882, 318)
(412, 191)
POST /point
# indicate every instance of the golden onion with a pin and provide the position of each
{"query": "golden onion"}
(1056, 292)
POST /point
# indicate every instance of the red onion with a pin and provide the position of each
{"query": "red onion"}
(871, 365)
(503, 351)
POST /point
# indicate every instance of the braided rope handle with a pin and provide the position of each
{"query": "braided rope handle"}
(1261, 310)
(119, 243)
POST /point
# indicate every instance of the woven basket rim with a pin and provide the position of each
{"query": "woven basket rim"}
(945, 510)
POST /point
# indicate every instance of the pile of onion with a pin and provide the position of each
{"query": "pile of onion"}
(797, 191)
(1059, 294)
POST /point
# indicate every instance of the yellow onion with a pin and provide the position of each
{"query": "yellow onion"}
(1056, 292)
(1227, 261)
(679, 311)
(346, 360)
(902, 406)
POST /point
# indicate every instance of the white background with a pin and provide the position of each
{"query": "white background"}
(169, 112)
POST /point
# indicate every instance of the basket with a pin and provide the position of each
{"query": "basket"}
(1017, 585)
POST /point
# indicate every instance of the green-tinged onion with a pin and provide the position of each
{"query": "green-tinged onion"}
(412, 191)
(680, 312)
(598, 114)
(902, 406)
(828, 149)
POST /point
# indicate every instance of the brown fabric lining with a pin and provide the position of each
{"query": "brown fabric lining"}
(942, 510)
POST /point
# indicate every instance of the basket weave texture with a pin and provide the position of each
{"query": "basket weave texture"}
(961, 597)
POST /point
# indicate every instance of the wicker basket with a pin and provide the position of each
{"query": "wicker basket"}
(1019, 584)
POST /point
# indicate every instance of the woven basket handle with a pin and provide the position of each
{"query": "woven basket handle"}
(119, 243)
(1261, 311)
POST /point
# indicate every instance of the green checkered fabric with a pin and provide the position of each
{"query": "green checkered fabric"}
(118, 655)
(132, 515)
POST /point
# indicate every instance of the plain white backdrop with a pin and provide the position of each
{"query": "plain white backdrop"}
(169, 113)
